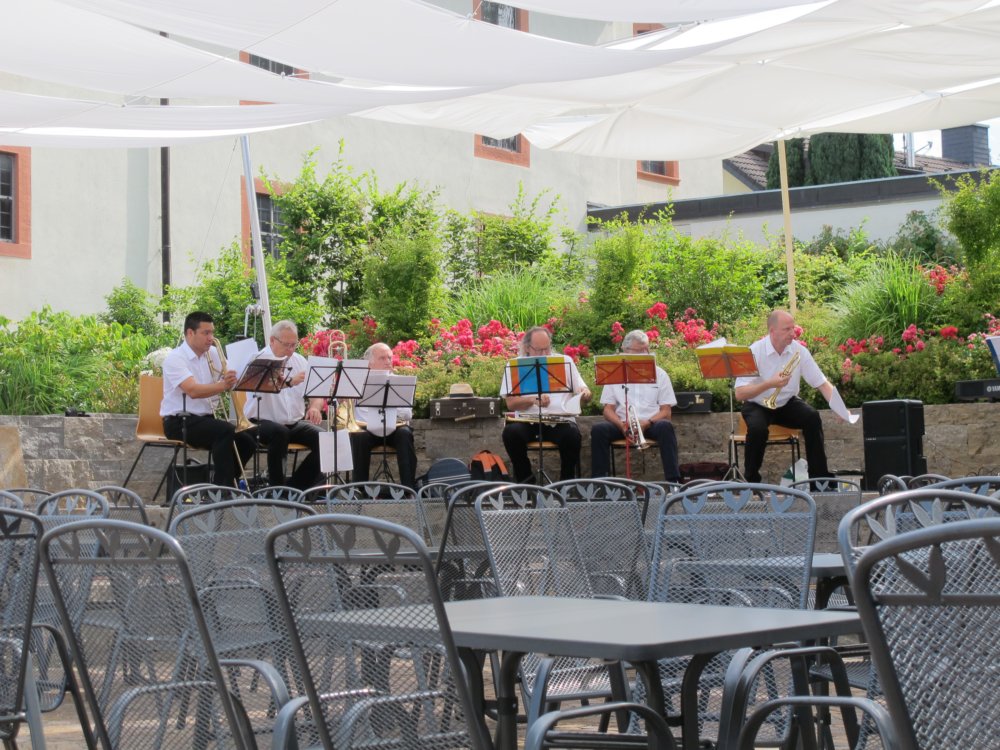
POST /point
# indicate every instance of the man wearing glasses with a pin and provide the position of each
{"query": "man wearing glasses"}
(537, 342)
(652, 403)
(283, 417)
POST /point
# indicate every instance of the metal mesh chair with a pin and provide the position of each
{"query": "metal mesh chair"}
(20, 533)
(124, 504)
(379, 665)
(224, 546)
(278, 492)
(390, 502)
(461, 566)
(930, 608)
(177, 694)
(732, 544)
(533, 551)
(981, 485)
(10, 501)
(202, 494)
(30, 496)
(316, 495)
(433, 500)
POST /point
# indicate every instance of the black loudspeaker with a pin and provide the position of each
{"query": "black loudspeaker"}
(893, 434)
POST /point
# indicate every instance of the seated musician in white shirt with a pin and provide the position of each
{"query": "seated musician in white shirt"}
(398, 433)
(652, 403)
(282, 417)
(537, 342)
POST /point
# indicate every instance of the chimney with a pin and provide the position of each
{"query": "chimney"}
(969, 144)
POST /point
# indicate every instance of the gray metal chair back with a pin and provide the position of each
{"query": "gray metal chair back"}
(379, 669)
(888, 483)
(981, 485)
(316, 495)
(20, 532)
(174, 692)
(607, 523)
(461, 565)
(279, 492)
(125, 505)
(434, 501)
(925, 480)
(72, 504)
(929, 602)
(30, 496)
(202, 494)
(10, 501)
(832, 487)
(394, 503)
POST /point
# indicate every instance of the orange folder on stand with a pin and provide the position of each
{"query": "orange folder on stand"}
(628, 369)
(720, 359)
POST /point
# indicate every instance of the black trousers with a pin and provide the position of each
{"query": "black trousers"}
(276, 437)
(401, 439)
(602, 434)
(566, 435)
(216, 436)
(796, 414)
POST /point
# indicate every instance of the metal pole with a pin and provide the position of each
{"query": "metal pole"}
(164, 217)
(258, 248)
(787, 214)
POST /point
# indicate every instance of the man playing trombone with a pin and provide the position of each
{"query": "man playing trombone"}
(282, 417)
(652, 403)
(772, 396)
(190, 386)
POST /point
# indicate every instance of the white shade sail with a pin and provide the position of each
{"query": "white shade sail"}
(723, 77)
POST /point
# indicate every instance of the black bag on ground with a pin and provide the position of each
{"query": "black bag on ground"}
(487, 466)
(446, 470)
(197, 473)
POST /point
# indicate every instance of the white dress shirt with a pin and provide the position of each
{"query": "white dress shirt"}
(182, 363)
(288, 405)
(647, 398)
(557, 401)
(770, 363)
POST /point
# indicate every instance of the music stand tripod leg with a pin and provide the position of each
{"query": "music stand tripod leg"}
(733, 473)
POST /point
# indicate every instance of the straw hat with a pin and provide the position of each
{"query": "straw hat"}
(460, 390)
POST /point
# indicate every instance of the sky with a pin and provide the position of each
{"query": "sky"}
(922, 137)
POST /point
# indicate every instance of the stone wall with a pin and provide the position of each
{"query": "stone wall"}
(55, 452)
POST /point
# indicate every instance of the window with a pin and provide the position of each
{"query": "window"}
(666, 172)
(15, 202)
(271, 222)
(270, 65)
(515, 149)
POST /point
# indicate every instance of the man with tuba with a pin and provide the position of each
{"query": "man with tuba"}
(651, 403)
(772, 396)
(283, 417)
(398, 433)
(190, 386)
(537, 342)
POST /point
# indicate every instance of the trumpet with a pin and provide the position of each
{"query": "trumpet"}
(771, 402)
(343, 418)
(634, 432)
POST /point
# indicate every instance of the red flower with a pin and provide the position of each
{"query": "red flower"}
(949, 332)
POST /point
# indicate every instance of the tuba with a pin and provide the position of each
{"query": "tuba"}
(634, 432)
(344, 418)
(771, 402)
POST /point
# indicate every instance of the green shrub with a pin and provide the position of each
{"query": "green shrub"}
(130, 305)
(517, 298)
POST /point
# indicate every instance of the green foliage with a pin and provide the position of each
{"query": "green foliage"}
(972, 213)
(133, 306)
(478, 244)
(53, 360)
(330, 223)
(402, 284)
(921, 237)
(795, 156)
(222, 289)
(846, 157)
(892, 296)
(517, 298)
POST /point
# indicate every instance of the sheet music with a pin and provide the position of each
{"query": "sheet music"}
(840, 408)
(241, 353)
(320, 377)
(345, 459)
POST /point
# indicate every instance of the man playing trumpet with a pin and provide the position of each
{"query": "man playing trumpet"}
(189, 385)
(652, 403)
(772, 396)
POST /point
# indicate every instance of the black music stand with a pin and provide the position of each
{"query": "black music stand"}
(720, 359)
(625, 369)
(262, 375)
(392, 392)
(333, 380)
(537, 376)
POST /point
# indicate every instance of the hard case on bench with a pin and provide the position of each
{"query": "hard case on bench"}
(466, 407)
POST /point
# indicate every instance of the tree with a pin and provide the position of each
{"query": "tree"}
(847, 157)
(795, 154)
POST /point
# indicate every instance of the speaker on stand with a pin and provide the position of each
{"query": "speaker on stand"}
(893, 438)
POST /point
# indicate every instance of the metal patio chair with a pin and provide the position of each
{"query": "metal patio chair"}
(394, 503)
(278, 492)
(30, 496)
(124, 504)
(380, 668)
(202, 494)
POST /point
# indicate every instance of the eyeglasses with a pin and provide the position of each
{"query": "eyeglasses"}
(539, 349)
(286, 344)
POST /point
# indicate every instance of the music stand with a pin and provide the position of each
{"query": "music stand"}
(625, 369)
(262, 375)
(720, 359)
(536, 376)
(332, 380)
(384, 390)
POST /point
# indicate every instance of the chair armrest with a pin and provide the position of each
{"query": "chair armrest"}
(881, 718)
(267, 672)
(658, 733)
(283, 736)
